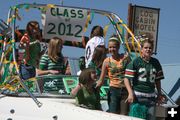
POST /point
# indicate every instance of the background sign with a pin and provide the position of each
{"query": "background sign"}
(66, 23)
(145, 20)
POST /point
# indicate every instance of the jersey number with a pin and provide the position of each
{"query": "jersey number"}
(144, 76)
(88, 53)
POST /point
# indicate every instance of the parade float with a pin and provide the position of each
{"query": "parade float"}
(24, 99)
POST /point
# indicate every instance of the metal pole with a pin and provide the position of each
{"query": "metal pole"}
(62, 2)
(172, 102)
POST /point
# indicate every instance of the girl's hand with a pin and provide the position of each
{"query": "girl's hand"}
(99, 84)
(24, 42)
(53, 72)
(75, 90)
(160, 99)
(130, 99)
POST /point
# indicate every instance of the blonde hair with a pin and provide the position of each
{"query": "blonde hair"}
(115, 38)
(54, 51)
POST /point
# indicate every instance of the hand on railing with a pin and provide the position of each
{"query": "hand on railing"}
(53, 72)
(46, 72)
(161, 99)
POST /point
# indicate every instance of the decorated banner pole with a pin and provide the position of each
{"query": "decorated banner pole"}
(39, 104)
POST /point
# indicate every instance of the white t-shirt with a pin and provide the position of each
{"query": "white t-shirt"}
(90, 46)
(79, 72)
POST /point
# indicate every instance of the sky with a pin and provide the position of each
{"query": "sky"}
(168, 46)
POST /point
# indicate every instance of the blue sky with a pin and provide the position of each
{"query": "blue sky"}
(168, 47)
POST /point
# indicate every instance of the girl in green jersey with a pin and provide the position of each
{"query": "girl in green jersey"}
(145, 74)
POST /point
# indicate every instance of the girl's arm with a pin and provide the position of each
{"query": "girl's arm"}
(130, 98)
(45, 72)
(75, 90)
(24, 42)
(102, 76)
(160, 97)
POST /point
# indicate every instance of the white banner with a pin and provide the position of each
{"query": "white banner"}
(66, 23)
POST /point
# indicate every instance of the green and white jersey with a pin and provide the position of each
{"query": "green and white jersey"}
(47, 64)
(54, 84)
(144, 74)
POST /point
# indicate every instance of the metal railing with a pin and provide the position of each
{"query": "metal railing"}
(169, 98)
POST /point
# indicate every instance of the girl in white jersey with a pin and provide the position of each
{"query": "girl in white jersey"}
(96, 38)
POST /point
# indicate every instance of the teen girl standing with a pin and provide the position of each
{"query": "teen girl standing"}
(115, 67)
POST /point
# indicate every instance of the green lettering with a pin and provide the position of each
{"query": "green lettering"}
(66, 13)
(80, 14)
(51, 27)
(61, 29)
(79, 30)
(69, 30)
(58, 12)
(53, 12)
(73, 13)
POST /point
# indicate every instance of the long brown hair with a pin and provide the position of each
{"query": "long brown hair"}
(33, 25)
(99, 55)
(85, 75)
(54, 49)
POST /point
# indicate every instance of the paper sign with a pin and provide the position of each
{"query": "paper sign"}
(66, 23)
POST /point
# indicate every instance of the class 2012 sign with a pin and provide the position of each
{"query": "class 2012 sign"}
(65, 22)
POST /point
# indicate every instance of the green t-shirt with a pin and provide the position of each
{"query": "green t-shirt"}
(47, 64)
(34, 54)
(52, 84)
(90, 100)
(144, 74)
